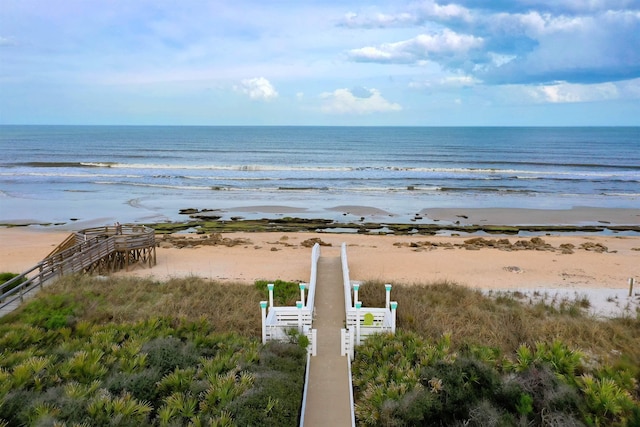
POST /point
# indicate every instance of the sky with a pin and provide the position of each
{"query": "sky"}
(313, 62)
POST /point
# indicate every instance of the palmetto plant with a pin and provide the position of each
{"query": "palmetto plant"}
(43, 410)
(177, 407)
(525, 358)
(5, 382)
(369, 407)
(224, 361)
(606, 400)
(223, 420)
(178, 380)
(21, 337)
(32, 373)
(76, 390)
(119, 410)
(224, 389)
(565, 361)
(133, 364)
(9, 359)
(85, 366)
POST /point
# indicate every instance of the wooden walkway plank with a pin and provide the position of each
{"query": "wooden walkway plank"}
(328, 395)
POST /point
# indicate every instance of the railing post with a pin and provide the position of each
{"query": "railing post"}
(387, 289)
(314, 342)
(299, 305)
(630, 286)
(356, 286)
(358, 307)
(394, 307)
(263, 307)
(302, 286)
(270, 287)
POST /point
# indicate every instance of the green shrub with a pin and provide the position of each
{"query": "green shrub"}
(284, 293)
(607, 401)
(50, 311)
(536, 391)
(14, 407)
(456, 387)
(141, 385)
(276, 396)
(166, 354)
(525, 404)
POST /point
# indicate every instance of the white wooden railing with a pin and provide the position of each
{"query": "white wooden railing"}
(363, 321)
(278, 322)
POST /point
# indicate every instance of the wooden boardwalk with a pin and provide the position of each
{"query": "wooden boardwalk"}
(328, 394)
(88, 251)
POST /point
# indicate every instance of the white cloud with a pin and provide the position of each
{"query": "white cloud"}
(446, 43)
(417, 15)
(446, 82)
(344, 101)
(258, 88)
(431, 9)
(563, 92)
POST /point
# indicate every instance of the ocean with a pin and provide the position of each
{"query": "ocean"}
(148, 173)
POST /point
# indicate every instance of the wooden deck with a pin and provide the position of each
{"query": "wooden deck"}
(93, 250)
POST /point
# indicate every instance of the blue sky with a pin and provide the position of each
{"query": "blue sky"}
(297, 62)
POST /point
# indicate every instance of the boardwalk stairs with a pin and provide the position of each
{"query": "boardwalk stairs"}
(92, 250)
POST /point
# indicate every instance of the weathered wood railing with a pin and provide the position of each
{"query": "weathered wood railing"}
(94, 249)
(363, 321)
(277, 322)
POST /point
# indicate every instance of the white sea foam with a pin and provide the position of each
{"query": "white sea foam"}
(549, 167)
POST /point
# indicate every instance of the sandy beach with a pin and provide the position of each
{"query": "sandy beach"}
(597, 265)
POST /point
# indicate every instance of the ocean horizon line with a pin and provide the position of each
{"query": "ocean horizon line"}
(489, 126)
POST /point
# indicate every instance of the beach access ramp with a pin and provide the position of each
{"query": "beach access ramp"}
(328, 401)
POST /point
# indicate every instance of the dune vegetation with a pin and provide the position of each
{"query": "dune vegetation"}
(89, 351)
(464, 358)
(128, 351)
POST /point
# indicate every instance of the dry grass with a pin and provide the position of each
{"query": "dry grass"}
(504, 323)
(228, 307)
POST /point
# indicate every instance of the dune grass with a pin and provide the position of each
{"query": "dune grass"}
(123, 351)
(473, 318)
(464, 358)
(227, 307)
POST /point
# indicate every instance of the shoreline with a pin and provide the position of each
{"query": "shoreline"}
(367, 219)
(268, 242)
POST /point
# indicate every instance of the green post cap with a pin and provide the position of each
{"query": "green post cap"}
(263, 304)
(394, 305)
(302, 286)
(387, 287)
(270, 286)
(359, 304)
(356, 286)
(299, 304)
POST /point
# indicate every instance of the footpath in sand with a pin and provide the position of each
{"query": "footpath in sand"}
(328, 397)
